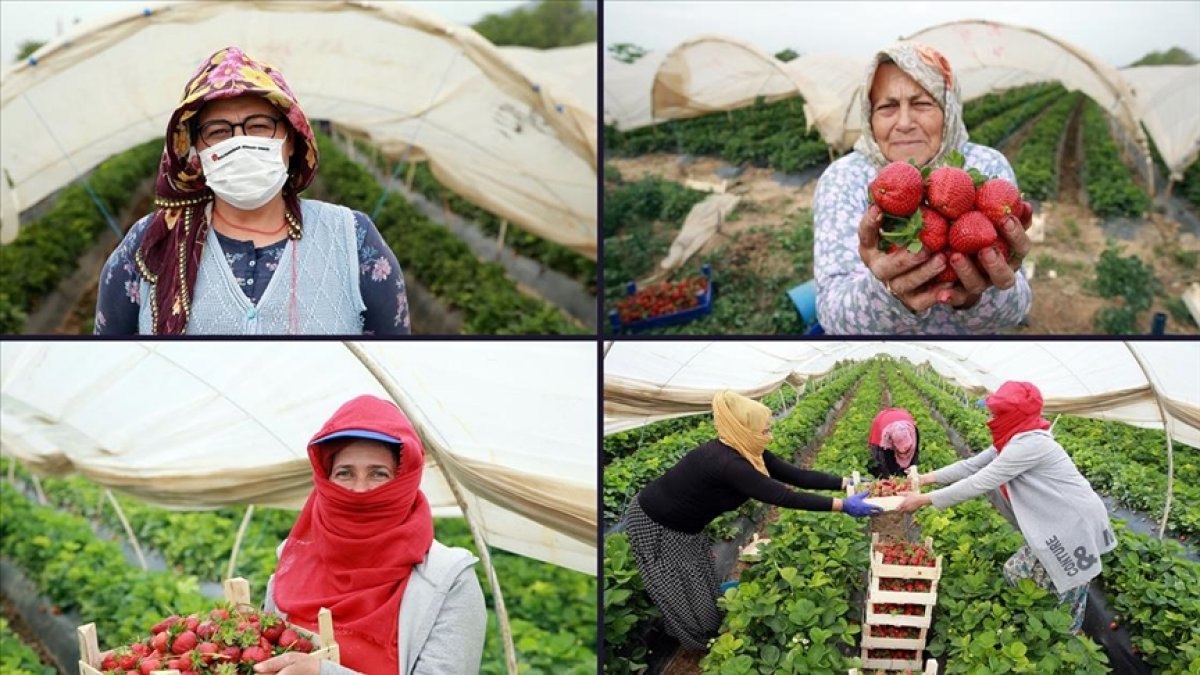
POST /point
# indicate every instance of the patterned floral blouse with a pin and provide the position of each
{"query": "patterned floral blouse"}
(852, 301)
(381, 281)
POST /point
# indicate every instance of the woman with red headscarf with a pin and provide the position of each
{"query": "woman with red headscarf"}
(363, 546)
(893, 443)
(1063, 520)
(231, 248)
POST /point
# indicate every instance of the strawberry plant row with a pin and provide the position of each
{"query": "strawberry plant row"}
(48, 249)
(979, 110)
(1130, 465)
(1110, 186)
(489, 300)
(764, 134)
(80, 573)
(554, 256)
(18, 658)
(1036, 165)
(628, 611)
(995, 130)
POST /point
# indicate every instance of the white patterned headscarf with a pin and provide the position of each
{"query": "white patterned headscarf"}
(932, 71)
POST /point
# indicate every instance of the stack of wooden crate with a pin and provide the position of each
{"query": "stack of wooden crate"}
(882, 623)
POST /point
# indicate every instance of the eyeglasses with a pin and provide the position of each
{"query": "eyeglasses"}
(260, 126)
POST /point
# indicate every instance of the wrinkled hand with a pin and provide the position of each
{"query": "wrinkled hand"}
(855, 506)
(907, 275)
(912, 503)
(991, 270)
(292, 663)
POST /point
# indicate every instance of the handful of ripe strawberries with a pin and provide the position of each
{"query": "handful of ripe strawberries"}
(224, 642)
(945, 209)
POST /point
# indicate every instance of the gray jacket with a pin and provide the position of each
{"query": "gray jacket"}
(1063, 520)
(442, 616)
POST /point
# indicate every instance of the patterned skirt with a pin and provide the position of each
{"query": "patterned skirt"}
(1025, 565)
(680, 575)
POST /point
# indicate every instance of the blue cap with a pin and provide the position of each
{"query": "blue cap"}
(981, 403)
(361, 433)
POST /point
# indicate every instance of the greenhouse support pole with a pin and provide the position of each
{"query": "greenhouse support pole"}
(1162, 415)
(412, 173)
(500, 237)
(37, 489)
(237, 543)
(378, 373)
(128, 530)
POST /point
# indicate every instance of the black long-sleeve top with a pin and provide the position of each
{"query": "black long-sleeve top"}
(714, 479)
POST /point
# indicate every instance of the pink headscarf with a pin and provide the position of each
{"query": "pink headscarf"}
(901, 438)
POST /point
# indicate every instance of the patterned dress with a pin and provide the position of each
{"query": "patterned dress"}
(852, 301)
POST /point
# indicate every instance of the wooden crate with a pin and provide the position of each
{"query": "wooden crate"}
(891, 664)
(876, 642)
(924, 620)
(931, 668)
(879, 569)
(876, 594)
(237, 591)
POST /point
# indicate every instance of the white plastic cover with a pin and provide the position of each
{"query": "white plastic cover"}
(711, 73)
(500, 127)
(200, 425)
(648, 381)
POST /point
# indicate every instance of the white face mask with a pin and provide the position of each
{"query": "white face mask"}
(245, 171)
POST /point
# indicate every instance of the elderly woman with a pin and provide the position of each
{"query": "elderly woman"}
(911, 111)
(231, 248)
(893, 443)
(665, 521)
(1063, 520)
(363, 546)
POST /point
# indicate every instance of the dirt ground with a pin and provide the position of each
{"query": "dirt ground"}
(1064, 262)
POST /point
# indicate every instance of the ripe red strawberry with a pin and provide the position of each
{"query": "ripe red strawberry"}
(303, 645)
(140, 649)
(231, 654)
(288, 638)
(951, 191)
(254, 655)
(219, 614)
(207, 651)
(206, 629)
(184, 643)
(972, 233)
(127, 661)
(191, 622)
(934, 229)
(159, 642)
(149, 665)
(273, 632)
(897, 189)
(108, 660)
(997, 199)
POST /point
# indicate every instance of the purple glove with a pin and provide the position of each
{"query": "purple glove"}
(855, 506)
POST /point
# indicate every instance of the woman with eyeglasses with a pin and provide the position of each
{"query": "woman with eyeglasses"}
(911, 112)
(231, 248)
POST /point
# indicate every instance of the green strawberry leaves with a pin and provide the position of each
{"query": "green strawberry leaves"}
(978, 177)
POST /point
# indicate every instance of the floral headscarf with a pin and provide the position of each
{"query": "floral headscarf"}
(170, 252)
(932, 71)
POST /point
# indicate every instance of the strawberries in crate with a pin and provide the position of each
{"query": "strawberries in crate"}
(223, 641)
(662, 298)
(906, 585)
(894, 632)
(897, 610)
(890, 487)
(904, 553)
(893, 654)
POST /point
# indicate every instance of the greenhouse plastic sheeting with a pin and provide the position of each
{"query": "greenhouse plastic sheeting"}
(497, 130)
(196, 426)
(648, 381)
(1168, 101)
(712, 73)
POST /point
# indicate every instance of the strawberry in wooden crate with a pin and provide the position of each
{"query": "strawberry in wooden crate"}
(904, 553)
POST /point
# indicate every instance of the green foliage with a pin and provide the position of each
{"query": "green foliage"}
(641, 202)
(489, 300)
(1189, 189)
(1179, 311)
(786, 55)
(628, 610)
(1029, 99)
(1126, 277)
(763, 134)
(625, 443)
(78, 572)
(18, 658)
(548, 24)
(48, 249)
(626, 52)
(26, 49)
(1036, 164)
(1175, 56)
(1110, 186)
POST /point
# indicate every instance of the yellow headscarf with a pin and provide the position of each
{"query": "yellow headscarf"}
(740, 422)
